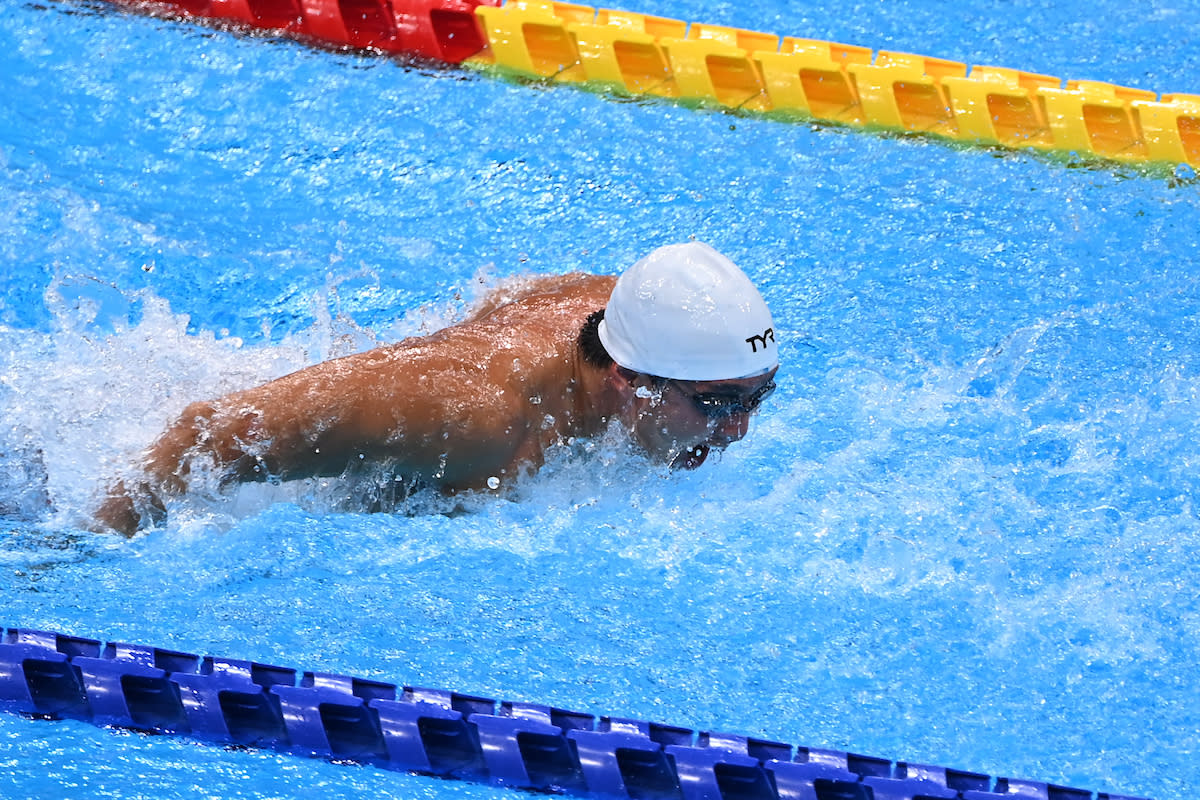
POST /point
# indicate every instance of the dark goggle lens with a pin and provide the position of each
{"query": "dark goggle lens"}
(720, 405)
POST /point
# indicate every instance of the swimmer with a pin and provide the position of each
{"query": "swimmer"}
(680, 350)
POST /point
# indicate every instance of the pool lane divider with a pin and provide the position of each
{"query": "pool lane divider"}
(720, 67)
(441, 733)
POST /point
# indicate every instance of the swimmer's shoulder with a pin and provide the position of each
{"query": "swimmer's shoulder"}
(581, 286)
(571, 292)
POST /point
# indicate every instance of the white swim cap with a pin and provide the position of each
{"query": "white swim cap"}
(685, 311)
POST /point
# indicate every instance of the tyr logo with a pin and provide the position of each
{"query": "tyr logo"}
(753, 341)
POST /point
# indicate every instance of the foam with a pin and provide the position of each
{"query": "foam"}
(84, 398)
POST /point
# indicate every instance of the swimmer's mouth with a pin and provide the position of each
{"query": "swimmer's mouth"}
(691, 457)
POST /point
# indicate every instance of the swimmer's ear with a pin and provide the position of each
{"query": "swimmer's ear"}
(623, 381)
(627, 375)
(629, 383)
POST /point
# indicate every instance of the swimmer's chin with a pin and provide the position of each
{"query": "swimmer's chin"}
(691, 458)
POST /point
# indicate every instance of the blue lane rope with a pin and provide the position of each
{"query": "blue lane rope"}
(451, 735)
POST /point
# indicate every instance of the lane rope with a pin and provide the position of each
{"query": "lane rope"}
(447, 734)
(747, 71)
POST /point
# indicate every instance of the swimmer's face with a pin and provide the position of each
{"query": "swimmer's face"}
(679, 422)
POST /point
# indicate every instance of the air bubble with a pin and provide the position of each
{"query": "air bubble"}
(493, 482)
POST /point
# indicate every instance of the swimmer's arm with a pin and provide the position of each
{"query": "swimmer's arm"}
(427, 422)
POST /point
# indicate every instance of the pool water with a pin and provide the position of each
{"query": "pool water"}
(963, 532)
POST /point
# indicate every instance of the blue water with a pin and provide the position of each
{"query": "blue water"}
(964, 531)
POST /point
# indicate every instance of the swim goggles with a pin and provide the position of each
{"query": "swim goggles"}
(717, 406)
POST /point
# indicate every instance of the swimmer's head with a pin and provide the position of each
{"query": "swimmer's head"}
(686, 312)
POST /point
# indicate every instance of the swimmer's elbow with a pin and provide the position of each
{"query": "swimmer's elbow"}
(166, 460)
(193, 425)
